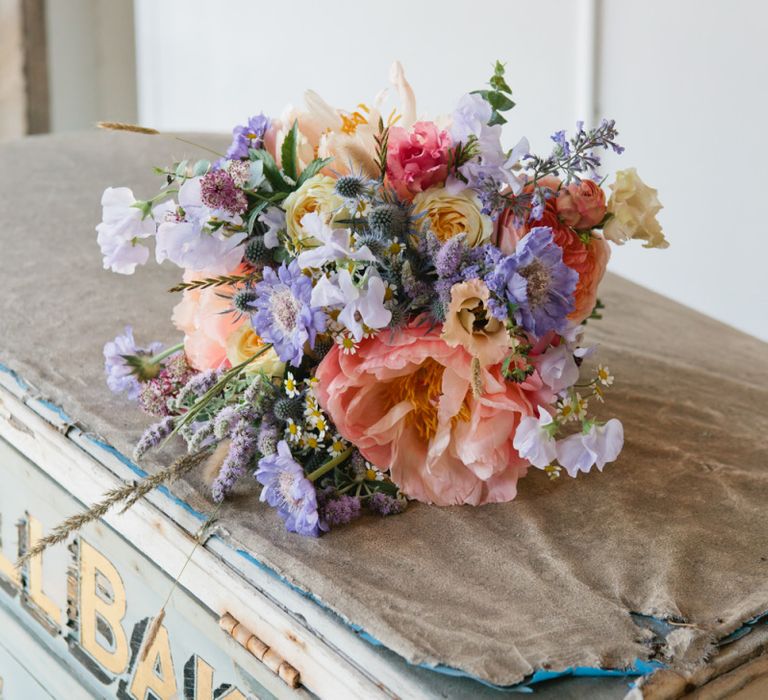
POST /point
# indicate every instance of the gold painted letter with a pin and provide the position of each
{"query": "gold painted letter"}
(155, 671)
(102, 608)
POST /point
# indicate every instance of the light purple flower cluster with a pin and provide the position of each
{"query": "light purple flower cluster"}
(247, 136)
(242, 450)
(283, 313)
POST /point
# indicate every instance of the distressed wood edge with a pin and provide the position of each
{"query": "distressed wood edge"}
(324, 670)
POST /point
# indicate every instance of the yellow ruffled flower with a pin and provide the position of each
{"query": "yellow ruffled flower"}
(452, 214)
(315, 195)
(634, 206)
(245, 343)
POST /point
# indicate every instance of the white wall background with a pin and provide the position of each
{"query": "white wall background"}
(686, 82)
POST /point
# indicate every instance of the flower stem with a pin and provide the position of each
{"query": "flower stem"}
(166, 353)
(323, 469)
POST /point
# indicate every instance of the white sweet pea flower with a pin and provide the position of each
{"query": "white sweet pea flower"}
(534, 442)
(360, 306)
(186, 239)
(602, 444)
(335, 244)
(557, 367)
(274, 219)
(123, 225)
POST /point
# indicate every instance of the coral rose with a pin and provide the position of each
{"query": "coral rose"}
(417, 158)
(201, 316)
(588, 259)
(581, 204)
(405, 400)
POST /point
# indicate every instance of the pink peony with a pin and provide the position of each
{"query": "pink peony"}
(201, 316)
(405, 400)
(417, 158)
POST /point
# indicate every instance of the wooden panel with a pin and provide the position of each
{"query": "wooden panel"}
(24, 104)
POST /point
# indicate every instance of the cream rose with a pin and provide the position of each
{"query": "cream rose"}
(450, 215)
(634, 206)
(244, 343)
(315, 195)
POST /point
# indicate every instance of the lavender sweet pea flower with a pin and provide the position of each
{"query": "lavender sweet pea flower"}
(185, 238)
(121, 376)
(123, 226)
(247, 136)
(287, 489)
(533, 440)
(284, 315)
(360, 305)
(538, 282)
(602, 444)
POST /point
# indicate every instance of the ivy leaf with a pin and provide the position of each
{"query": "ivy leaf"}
(312, 169)
(289, 153)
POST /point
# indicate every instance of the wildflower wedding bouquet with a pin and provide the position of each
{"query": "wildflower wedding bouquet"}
(378, 307)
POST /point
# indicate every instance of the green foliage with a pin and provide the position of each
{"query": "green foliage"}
(289, 153)
(312, 169)
(382, 142)
(271, 171)
(499, 96)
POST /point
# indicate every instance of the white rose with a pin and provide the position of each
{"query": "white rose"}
(634, 206)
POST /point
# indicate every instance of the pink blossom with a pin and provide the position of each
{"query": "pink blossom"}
(406, 401)
(417, 159)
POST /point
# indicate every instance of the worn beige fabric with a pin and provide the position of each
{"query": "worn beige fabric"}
(676, 528)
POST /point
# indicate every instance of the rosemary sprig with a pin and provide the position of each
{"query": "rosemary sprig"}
(382, 141)
(208, 282)
(128, 494)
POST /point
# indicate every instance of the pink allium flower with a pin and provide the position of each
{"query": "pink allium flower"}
(406, 401)
(417, 158)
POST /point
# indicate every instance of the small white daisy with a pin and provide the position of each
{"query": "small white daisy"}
(604, 375)
(347, 344)
(337, 446)
(293, 431)
(291, 388)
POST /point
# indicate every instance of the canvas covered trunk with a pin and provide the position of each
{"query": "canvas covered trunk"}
(653, 562)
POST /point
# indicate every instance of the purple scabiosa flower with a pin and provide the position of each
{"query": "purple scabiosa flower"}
(122, 374)
(538, 282)
(247, 136)
(287, 489)
(384, 504)
(242, 450)
(339, 510)
(152, 437)
(283, 315)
